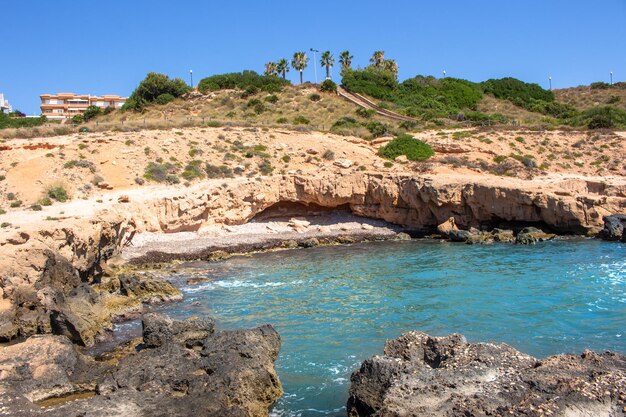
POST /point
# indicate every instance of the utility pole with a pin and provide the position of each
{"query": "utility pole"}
(315, 63)
(550, 79)
(191, 77)
(611, 77)
(444, 73)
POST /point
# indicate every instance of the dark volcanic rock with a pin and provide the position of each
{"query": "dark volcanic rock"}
(614, 227)
(229, 374)
(148, 288)
(426, 376)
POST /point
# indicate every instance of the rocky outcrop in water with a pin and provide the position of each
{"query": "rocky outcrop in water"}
(425, 376)
(614, 227)
(192, 372)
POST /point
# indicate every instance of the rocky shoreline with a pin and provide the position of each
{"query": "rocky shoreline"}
(180, 368)
(425, 376)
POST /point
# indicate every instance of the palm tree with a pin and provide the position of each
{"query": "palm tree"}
(282, 67)
(299, 62)
(327, 61)
(345, 59)
(271, 68)
(391, 66)
(378, 58)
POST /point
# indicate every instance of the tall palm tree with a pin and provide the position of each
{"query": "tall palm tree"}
(299, 62)
(345, 59)
(378, 58)
(327, 61)
(391, 66)
(282, 67)
(271, 68)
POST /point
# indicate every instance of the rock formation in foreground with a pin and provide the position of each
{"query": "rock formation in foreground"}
(425, 376)
(185, 369)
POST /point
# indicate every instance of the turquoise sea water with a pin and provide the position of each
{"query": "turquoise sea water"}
(335, 306)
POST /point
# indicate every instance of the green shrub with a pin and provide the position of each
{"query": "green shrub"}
(265, 167)
(328, 155)
(272, 99)
(377, 129)
(78, 119)
(328, 86)
(153, 86)
(4, 225)
(58, 193)
(315, 97)
(45, 201)
(36, 207)
(2, 178)
(246, 80)
(161, 172)
(388, 164)
(365, 113)
(3, 211)
(286, 158)
(91, 112)
(282, 120)
(16, 203)
(516, 91)
(193, 170)
(11, 196)
(9, 121)
(195, 152)
(164, 98)
(499, 158)
(301, 120)
(613, 100)
(215, 171)
(415, 150)
(600, 85)
(80, 163)
(604, 118)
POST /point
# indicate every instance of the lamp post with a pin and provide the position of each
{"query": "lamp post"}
(315, 63)
(611, 77)
(191, 77)
(444, 73)
(550, 79)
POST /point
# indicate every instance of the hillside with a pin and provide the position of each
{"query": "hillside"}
(586, 97)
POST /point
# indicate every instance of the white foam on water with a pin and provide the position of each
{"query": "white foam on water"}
(236, 283)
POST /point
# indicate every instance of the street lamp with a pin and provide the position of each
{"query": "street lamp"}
(315, 63)
(611, 77)
(191, 77)
(550, 79)
(444, 73)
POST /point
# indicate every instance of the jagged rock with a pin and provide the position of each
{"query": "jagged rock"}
(402, 236)
(230, 373)
(425, 376)
(310, 243)
(343, 163)
(500, 235)
(459, 235)
(614, 227)
(446, 227)
(157, 330)
(148, 288)
(532, 235)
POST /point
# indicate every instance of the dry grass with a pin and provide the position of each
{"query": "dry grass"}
(584, 97)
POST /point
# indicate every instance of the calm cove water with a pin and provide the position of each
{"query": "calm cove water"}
(335, 306)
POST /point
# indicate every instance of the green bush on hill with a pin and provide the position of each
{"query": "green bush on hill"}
(414, 149)
(153, 86)
(15, 121)
(246, 80)
(604, 118)
(422, 96)
(516, 91)
(328, 86)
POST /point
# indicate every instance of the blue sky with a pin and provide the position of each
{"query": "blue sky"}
(107, 47)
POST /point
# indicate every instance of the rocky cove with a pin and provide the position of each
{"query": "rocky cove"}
(68, 277)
